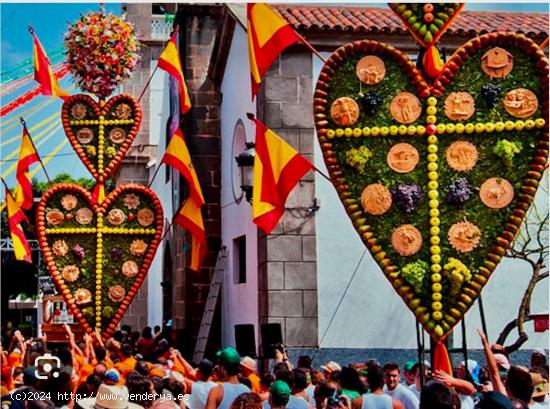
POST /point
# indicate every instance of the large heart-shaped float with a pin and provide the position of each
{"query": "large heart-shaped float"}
(436, 179)
(99, 254)
(101, 133)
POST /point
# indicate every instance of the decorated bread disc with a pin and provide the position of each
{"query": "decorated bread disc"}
(68, 202)
(497, 63)
(85, 135)
(60, 248)
(521, 103)
(405, 108)
(344, 111)
(54, 217)
(370, 69)
(70, 273)
(130, 268)
(461, 156)
(464, 236)
(496, 193)
(116, 217)
(123, 111)
(459, 106)
(406, 240)
(131, 201)
(376, 199)
(117, 135)
(402, 157)
(138, 247)
(79, 111)
(116, 293)
(83, 296)
(145, 217)
(84, 215)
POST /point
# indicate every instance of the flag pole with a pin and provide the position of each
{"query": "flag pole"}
(308, 45)
(8, 191)
(154, 175)
(176, 29)
(544, 43)
(34, 147)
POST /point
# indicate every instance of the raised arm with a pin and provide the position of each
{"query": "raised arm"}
(462, 386)
(498, 385)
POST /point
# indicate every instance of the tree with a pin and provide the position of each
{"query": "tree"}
(530, 246)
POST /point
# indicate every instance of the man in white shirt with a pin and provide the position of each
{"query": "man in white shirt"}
(396, 390)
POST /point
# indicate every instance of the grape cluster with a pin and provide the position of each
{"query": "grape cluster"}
(407, 197)
(414, 274)
(490, 92)
(116, 253)
(371, 103)
(459, 191)
(78, 252)
(506, 150)
(457, 273)
(358, 158)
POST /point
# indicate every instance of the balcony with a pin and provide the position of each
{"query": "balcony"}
(161, 27)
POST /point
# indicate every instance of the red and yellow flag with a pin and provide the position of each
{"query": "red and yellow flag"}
(189, 217)
(27, 156)
(43, 72)
(21, 247)
(277, 169)
(268, 35)
(170, 62)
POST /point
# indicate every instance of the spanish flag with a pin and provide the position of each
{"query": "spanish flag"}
(169, 61)
(27, 156)
(268, 35)
(277, 169)
(189, 217)
(15, 217)
(43, 72)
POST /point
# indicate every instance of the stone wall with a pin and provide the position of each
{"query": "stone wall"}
(201, 127)
(287, 266)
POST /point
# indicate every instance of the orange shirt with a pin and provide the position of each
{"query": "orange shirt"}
(255, 382)
(126, 366)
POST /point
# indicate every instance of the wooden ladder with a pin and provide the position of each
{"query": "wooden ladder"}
(210, 307)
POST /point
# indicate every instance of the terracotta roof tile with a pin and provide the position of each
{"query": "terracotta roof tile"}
(379, 19)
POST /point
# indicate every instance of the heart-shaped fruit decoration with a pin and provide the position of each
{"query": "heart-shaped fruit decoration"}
(436, 180)
(98, 255)
(426, 21)
(101, 134)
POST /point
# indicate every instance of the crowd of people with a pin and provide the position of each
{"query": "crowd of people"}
(133, 370)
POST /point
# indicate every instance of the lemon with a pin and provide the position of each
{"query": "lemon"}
(393, 130)
(431, 110)
(384, 131)
(509, 125)
(431, 119)
(434, 212)
(436, 296)
(459, 128)
(435, 250)
(436, 287)
(469, 128)
(499, 126)
(432, 101)
(374, 131)
(479, 127)
(489, 127)
(366, 131)
(434, 240)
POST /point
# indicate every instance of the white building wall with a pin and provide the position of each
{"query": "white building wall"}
(159, 110)
(239, 301)
(372, 314)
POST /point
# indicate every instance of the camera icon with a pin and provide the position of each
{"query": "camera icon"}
(45, 364)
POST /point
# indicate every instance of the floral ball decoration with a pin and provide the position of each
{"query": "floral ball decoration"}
(102, 52)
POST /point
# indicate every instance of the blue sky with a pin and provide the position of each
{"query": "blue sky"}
(50, 21)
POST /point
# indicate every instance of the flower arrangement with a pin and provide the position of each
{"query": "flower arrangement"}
(102, 52)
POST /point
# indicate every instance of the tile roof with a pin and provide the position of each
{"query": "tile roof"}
(383, 20)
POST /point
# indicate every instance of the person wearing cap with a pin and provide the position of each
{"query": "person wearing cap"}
(540, 391)
(109, 396)
(248, 369)
(330, 368)
(279, 395)
(395, 389)
(201, 387)
(222, 396)
(503, 364)
(30, 384)
(408, 372)
(538, 358)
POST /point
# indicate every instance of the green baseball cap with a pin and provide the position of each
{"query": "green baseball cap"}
(409, 365)
(280, 389)
(229, 356)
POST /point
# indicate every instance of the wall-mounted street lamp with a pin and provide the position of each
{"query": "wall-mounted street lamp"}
(245, 161)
